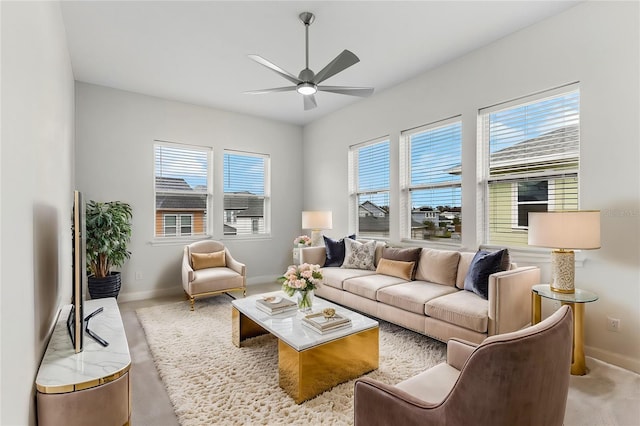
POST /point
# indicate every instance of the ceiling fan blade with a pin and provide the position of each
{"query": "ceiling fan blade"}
(309, 102)
(341, 62)
(275, 89)
(363, 92)
(273, 67)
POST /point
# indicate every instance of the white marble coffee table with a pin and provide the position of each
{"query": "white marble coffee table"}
(309, 362)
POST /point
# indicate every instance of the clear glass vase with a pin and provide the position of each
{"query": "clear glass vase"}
(305, 300)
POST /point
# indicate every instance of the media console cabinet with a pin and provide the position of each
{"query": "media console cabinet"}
(91, 387)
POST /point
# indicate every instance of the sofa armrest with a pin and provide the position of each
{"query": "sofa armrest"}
(376, 403)
(458, 351)
(313, 255)
(510, 299)
(187, 270)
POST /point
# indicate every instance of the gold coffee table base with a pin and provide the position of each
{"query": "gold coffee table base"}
(306, 374)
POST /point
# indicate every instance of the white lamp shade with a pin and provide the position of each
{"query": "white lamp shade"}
(565, 230)
(317, 220)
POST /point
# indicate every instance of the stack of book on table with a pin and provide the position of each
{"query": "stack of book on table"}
(276, 305)
(318, 322)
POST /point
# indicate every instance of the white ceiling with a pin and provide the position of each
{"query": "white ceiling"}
(196, 51)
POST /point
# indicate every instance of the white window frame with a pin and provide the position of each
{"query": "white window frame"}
(405, 179)
(266, 199)
(550, 176)
(355, 193)
(178, 217)
(515, 215)
(208, 225)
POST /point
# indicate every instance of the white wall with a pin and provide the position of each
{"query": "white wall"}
(36, 190)
(115, 133)
(595, 43)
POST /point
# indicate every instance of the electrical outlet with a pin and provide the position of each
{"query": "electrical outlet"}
(613, 324)
(138, 276)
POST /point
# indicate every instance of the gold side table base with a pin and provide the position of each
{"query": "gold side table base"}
(306, 374)
(578, 364)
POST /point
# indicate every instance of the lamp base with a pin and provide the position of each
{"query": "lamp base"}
(563, 271)
(316, 238)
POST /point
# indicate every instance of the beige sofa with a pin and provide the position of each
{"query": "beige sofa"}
(435, 303)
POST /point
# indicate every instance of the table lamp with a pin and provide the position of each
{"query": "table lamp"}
(564, 231)
(317, 221)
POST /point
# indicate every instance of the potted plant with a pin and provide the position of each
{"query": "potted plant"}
(108, 231)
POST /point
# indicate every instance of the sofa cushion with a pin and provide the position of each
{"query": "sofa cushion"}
(462, 308)
(208, 260)
(438, 266)
(368, 286)
(411, 254)
(484, 264)
(396, 268)
(333, 277)
(413, 295)
(359, 255)
(334, 251)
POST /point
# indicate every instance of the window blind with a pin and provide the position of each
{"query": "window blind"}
(371, 188)
(432, 197)
(245, 193)
(532, 160)
(181, 188)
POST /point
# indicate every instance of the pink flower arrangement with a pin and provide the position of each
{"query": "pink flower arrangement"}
(302, 240)
(301, 278)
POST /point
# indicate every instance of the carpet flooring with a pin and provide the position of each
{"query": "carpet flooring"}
(606, 396)
(210, 381)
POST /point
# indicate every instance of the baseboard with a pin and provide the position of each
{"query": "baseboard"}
(149, 294)
(174, 291)
(621, 361)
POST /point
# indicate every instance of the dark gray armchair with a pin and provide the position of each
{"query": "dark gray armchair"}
(518, 378)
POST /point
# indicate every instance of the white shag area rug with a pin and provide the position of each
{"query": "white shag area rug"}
(210, 381)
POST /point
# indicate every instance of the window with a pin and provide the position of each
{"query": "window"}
(531, 155)
(369, 188)
(533, 196)
(171, 227)
(246, 193)
(182, 189)
(431, 198)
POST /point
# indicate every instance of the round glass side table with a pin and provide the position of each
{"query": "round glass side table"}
(576, 301)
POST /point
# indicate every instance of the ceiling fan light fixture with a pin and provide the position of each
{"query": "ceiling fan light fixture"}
(307, 89)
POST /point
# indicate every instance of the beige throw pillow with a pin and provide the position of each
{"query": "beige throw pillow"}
(396, 268)
(208, 260)
(358, 255)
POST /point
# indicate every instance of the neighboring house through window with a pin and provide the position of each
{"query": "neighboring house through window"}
(531, 156)
(246, 193)
(369, 187)
(182, 188)
(431, 202)
(178, 225)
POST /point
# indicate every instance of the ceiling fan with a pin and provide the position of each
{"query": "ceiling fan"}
(308, 83)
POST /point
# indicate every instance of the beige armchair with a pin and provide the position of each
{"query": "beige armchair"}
(518, 378)
(209, 269)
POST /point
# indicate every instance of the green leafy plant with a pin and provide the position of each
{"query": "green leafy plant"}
(108, 231)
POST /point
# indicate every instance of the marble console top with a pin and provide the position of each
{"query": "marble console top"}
(63, 370)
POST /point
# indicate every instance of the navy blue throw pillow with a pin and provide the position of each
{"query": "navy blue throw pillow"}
(335, 251)
(484, 264)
